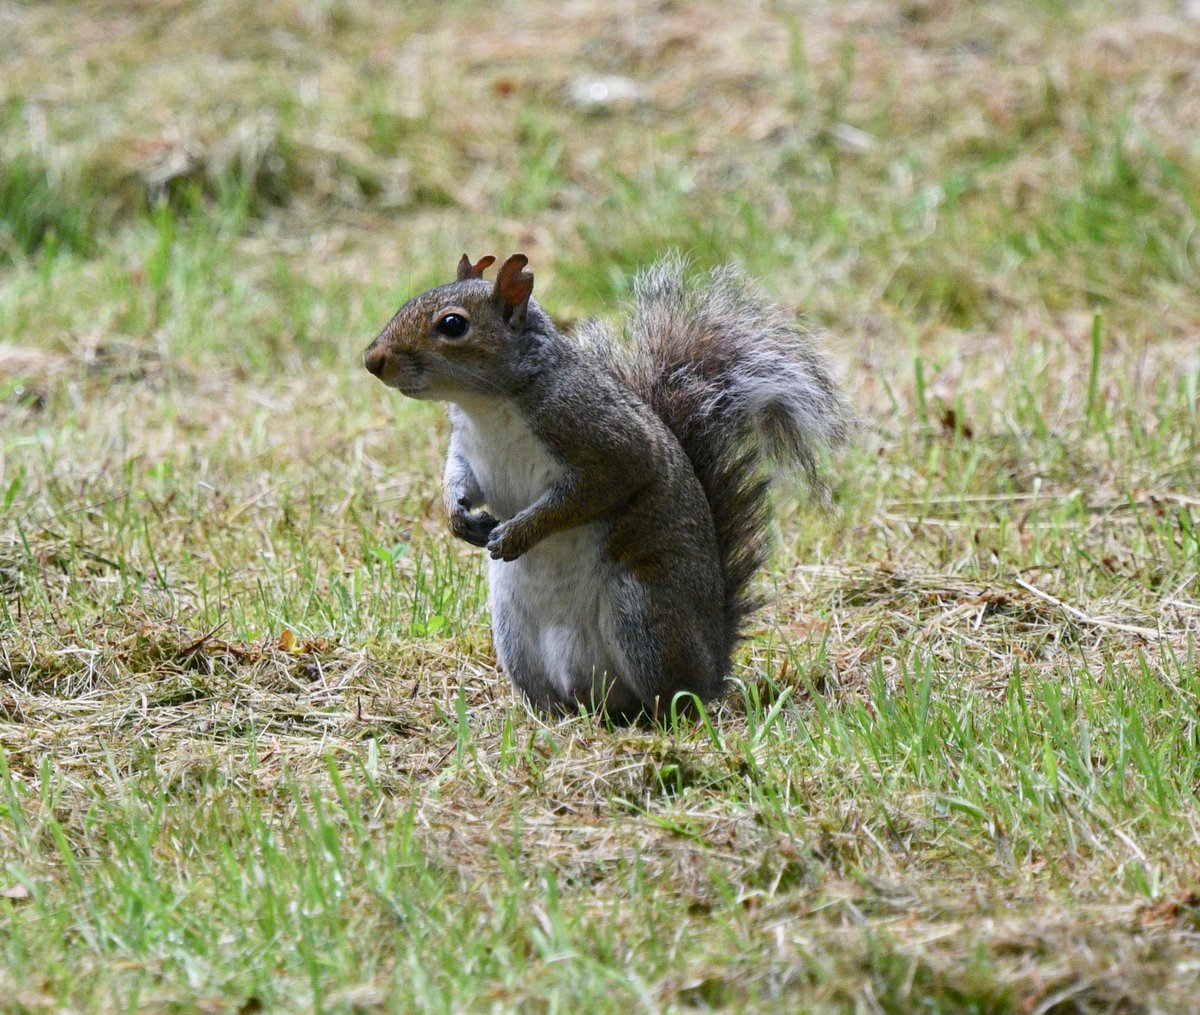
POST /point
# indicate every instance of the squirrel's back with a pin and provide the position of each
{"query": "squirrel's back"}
(741, 387)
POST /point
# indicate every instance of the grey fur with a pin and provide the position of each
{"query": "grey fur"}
(739, 359)
(626, 471)
(743, 389)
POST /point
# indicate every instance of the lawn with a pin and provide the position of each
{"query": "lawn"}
(255, 753)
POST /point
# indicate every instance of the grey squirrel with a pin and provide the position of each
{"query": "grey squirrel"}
(618, 481)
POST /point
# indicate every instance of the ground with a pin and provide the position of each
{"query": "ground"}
(254, 750)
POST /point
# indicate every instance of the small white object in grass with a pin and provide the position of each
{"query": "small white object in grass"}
(605, 92)
(852, 139)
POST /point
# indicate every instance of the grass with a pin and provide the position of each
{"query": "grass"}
(254, 750)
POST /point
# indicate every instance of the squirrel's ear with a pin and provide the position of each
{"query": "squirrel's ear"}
(512, 289)
(468, 270)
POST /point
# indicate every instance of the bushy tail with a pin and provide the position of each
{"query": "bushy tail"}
(742, 388)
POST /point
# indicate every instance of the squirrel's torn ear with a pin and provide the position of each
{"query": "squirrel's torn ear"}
(513, 289)
(468, 270)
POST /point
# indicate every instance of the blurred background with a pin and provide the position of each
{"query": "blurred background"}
(893, 169)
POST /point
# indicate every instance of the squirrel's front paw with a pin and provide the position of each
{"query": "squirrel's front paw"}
(474, 528)
(507, 542)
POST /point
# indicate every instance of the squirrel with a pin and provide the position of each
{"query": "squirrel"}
(619, 481)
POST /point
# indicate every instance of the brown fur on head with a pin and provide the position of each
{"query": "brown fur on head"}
(458, 338)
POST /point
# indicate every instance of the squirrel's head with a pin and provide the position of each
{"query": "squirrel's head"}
(465, 337)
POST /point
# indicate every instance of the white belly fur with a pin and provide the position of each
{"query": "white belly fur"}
(561, 601)
(513, 467)
(557, 600)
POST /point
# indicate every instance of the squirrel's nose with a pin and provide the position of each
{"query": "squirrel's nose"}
(374, 359)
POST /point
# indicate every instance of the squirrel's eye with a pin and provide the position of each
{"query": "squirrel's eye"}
(453, 326)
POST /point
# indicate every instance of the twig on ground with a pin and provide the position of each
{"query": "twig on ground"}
(1084, 618)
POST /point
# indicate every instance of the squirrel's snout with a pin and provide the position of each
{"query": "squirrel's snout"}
(374, 359)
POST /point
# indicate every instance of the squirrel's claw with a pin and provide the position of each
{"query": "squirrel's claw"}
(473, 528)
(504, 543)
